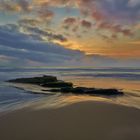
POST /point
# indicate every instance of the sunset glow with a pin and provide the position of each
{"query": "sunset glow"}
(107, 28)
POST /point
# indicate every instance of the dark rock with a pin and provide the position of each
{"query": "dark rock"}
(107, 92)
(91, 91)
(66, 87)
(58, 84)
(35, 80)
(83, 90)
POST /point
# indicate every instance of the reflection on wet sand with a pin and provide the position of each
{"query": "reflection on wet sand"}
(130, 88)
(61, 101)
(105, 83)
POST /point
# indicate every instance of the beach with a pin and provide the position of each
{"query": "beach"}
(28, 116)
(83, 120)
(69, 69)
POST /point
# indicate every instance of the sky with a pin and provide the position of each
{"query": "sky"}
(99, 33)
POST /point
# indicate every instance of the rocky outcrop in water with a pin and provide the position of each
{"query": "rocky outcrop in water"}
(58, 84)
(35, 80)
(89, 91)
(65, 87)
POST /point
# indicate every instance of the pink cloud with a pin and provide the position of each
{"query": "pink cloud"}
(115, 28)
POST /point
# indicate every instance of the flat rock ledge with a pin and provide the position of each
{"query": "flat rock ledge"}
(56, 85)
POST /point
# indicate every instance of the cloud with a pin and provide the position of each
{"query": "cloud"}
(6, 58)
(23, 48)
(19, 49)
(15, 6)
(114, 16)
(111, 18)
(54, 2)
(111, 15)
(24, 5)
(9, 7)
(105, 61)
(29, 22)
(70, 21)
(119, 10)
(115, 28)
(44, 12)
(86, 24)
(118, 15)
(134, 3)
(74, 23)
(44, 34)
(137, 42)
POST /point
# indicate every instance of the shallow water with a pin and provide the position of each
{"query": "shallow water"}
(127, 80)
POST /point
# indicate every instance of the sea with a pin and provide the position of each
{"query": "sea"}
(125, 79)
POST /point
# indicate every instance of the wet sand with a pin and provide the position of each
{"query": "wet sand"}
(88, 120)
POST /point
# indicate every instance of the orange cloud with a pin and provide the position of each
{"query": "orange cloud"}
(135, 42)
(13, 6)
(45, 14)
(70, 20)
(9, 7)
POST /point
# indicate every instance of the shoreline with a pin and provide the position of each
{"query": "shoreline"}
(59, 100)
(50, 85)
(78, 121)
